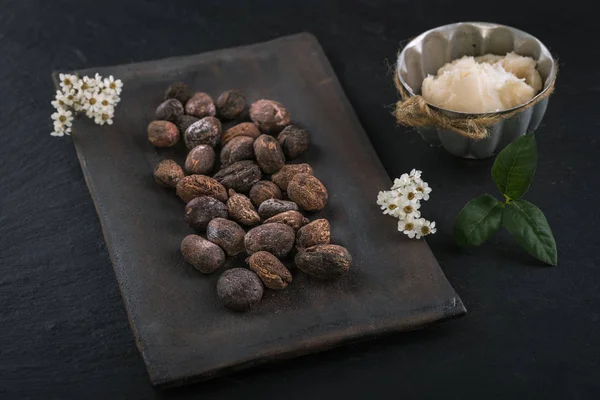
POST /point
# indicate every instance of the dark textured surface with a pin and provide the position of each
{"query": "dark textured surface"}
(531, 333)
(395, 284)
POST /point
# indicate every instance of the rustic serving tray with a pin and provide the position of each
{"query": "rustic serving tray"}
(183, 333)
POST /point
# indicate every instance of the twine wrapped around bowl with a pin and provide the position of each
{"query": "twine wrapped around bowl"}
(462, 134)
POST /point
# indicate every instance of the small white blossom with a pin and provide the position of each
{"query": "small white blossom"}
(409, 226)
(67, 81)
(64, 98)
(408, 209)
(104, 100)
(114, 85)
(99, 82)
(402, 181)
(95, 96)
(423, 189)
(389, 202)
(410, 193)
(91, 101)
(63, 117)
(415, 174)
(425, 228)
(103, 118)
(403, 201)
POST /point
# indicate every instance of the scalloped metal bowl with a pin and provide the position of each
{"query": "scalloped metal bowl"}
(426, 53)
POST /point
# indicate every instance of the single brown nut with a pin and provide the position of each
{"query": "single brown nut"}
(294, 141)
(308, 192)
(200, 160)
(163, 134)
(169, 110)
(277, 239)
(293, 219)
(271, 207)
(270, 116)
(264, 190)
(270, 270)
(244, 129)
(184, 121)
(231, 105)
(237, 149)
(193, 186)
(201, 210)
(239, 289)
(205, 256)
(239, 176)
(227, 234)
(285, 174)
(324, 261)
(206, 131)
(317, 232)
(179, 91)
(200, 105)
(269, 155)
(241, 210)
(167, 173)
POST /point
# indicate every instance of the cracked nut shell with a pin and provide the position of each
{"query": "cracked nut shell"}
(270, 116)
(205, 256)
(201, 210)
(324, 261)
(240, 209)
(293, 219)
(269, 155)
(237, 149)
(179, 91)
(239, 289)
(163, 133)
(285, 174)
(308, 192)
(271, 207)
(168, 173)
(227, 234)
(184, 121)
(231, 105)
(264, 190)
(200, 160)
(317, 232)
(239, 176)
(270, 270)
(169, 110)
(277, 239)
(200, 105)
(244, 129)
(294, 141)
(205, 131)
(193, 186)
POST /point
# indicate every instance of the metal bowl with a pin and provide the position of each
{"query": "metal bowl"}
(426, 53)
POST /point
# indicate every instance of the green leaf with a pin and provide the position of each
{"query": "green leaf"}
(530, 228)
(514, 167)
(478, 221)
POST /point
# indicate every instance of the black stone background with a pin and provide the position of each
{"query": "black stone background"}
(532, 332)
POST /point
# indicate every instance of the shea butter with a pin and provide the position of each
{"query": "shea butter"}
(484, 84)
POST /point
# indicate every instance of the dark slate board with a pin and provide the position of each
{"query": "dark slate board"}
(181, 329)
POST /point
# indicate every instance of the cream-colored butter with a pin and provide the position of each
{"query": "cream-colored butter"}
(485, 84)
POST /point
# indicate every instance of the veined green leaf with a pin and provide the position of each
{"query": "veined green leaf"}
(478, 221)
(530, 228)
(514, 167)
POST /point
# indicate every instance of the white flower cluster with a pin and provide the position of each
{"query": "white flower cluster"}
(403, 202)
(97, 97)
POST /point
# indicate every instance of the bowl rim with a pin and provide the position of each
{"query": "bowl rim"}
(551, 76)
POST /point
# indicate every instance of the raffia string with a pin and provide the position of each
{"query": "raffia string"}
(414, 111)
